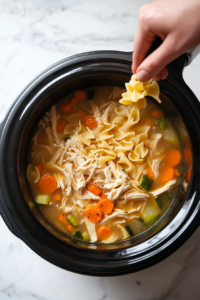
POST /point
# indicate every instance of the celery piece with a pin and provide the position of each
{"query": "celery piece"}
(128, 229)
(72, 220)
(77, 233)
(42, 199)
(146, 183)
(159, 202)
(162, 123)
(150, 213)
(152, 222)
(86, 236)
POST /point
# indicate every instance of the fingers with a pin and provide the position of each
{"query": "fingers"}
(142, 43)
(162, 75)
(141, 46)
(154, 65)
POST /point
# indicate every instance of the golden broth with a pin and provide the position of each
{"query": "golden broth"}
(133, 209)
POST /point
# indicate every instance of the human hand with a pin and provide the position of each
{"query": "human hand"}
(177, 23)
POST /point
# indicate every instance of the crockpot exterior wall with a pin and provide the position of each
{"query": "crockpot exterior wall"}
(21, 221)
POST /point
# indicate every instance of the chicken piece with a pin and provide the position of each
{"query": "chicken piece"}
(116, 193)
(91, 229)
(164, 188)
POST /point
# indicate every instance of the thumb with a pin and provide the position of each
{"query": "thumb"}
(156, 61)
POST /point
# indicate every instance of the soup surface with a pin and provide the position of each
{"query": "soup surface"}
(104, 170)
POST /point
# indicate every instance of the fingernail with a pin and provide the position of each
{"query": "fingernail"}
(143, 75)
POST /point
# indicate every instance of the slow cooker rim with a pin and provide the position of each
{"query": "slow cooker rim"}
(4, 128)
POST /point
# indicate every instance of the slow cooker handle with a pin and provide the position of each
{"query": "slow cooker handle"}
(192, 54)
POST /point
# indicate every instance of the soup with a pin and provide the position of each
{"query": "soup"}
(105, 170)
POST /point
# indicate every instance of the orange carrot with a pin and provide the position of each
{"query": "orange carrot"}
(81, 112)
(149, 122)
(94, 189)
(176, 172)
(103, 196)
(93, 214)
(73, 101)
(70, 228)
(61, 217)
(188, 156)
(44, 172)
(105, 206)
(173, 158)
(150, 172)
(48, 184)
(80, 95)
(166, 174)
(85, 119)
(56, 197)
(40, 168)
(188, 175)
(91, 124)
(104, 233)
(60, 126)
(66, 108)
(157, 114)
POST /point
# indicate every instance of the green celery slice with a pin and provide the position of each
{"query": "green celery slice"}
(127, 227)
(159, 202)
(150, 213)
(77, 233)
(72, 220)
(162, 123)
(146, 183)
(152, 222)
(86, 236)
(42, 199)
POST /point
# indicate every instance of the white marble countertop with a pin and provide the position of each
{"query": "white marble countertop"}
(33, 35)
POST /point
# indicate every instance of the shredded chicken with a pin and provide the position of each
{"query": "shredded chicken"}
(164, 188)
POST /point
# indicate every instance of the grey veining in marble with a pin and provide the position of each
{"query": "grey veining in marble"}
(33, 35)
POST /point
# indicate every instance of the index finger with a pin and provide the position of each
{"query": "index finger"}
(142, 43)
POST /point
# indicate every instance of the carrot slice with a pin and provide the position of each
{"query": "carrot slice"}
(91, 124)
(61, 217)
(149, 122)
(188, 175)
(40, 168)
(81, 112)
(44, 172)
(106, 206)
(85, 119)
(93, 214)
(94, 189)
(157, 114)
(176, 172)
(188, 156)
(73, 101)
(60, 126)
(80, 95)
(70, 228)
(150, 172)
(48, 184)
(66, 108)
(56, 197)
(166, 174)
(104, 233)
(173, 158)
(103, 196)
